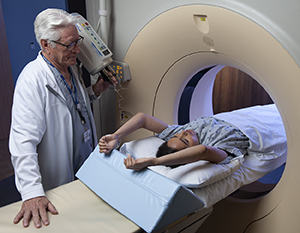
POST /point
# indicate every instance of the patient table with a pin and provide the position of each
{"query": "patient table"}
(81, 210)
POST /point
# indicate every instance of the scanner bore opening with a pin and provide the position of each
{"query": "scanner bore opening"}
(232, 89)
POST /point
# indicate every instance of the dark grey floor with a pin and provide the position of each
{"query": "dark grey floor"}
(8, 191)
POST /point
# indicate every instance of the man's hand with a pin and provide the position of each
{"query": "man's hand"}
(101, 85)
(35, 208)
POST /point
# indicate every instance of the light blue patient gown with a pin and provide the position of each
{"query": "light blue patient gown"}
(213, 132)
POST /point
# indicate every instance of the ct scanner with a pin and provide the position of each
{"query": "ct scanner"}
(166, 42)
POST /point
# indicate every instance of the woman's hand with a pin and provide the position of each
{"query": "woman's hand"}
(138, 164)
(107, 143)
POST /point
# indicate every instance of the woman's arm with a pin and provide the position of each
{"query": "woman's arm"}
(140, 120)
(188, 155)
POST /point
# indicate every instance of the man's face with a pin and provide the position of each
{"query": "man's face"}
(60, 56)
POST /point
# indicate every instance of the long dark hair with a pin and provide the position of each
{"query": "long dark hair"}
(164, 149)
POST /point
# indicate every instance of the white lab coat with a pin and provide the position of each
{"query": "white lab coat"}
(41, 136)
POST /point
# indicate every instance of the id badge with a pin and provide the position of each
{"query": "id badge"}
(87, 135)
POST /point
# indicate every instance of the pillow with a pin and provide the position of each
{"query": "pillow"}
(193, 175)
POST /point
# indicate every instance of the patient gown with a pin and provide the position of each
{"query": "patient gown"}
(213, 132)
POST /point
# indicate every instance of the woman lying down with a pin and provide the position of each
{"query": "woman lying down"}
(206, 138)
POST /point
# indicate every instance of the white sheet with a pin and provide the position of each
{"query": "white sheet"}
(264, 128)
(268, 150)
(251, 170)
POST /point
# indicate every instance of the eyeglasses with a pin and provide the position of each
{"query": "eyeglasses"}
(72, 45)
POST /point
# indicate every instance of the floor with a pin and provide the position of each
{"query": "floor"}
(6, 168)
(8, 191)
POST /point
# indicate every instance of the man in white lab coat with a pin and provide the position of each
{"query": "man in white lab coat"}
(52, 129)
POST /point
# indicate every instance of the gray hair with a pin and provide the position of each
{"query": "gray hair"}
(48, 22)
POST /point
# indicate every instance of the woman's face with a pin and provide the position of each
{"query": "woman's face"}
(184, 139)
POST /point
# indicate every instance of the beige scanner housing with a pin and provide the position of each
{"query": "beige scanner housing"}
(170, 49)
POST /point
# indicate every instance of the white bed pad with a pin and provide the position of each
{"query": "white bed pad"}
(147, 198)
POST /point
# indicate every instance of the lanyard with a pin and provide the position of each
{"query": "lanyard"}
(74, 98)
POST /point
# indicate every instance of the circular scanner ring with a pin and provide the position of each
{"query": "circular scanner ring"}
(170, 49)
